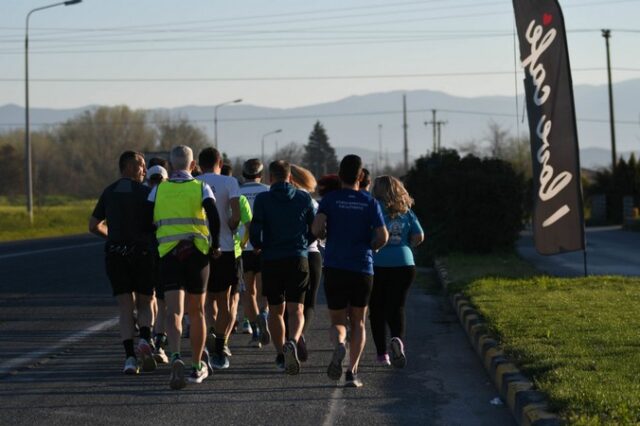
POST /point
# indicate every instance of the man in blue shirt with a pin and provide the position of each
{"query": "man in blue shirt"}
(353, 224)
(281, 230)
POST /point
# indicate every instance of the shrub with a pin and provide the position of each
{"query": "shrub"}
(467, 204)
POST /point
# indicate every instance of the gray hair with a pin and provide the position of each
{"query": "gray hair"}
(181, 157)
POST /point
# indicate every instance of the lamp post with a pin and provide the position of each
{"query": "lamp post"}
(614, 160)
(215, 119)
(264, 136)
(27, 129)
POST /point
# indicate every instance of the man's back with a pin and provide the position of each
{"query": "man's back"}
(352, 217)
(224, 188)
(123, 206)
(281, 221)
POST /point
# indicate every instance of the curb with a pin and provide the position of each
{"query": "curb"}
(528, 406)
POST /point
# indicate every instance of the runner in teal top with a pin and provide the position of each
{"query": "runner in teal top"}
(394, 269)
(398, 251)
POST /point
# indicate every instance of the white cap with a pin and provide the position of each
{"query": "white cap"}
(158, 170)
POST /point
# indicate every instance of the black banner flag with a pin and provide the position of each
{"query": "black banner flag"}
(558, 217)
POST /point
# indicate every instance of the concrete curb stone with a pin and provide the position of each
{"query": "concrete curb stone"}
(528, 406)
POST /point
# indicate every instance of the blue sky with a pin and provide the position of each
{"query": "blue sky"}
(251, 39)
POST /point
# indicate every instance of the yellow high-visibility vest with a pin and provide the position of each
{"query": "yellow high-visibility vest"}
(178, 215)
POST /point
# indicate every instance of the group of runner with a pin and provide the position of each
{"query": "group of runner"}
(186, 236)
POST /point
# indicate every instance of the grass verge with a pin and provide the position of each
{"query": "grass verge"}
(577, 339)
(49, 221)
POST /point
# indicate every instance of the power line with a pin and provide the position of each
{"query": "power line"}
(327, 115)
(280, 78)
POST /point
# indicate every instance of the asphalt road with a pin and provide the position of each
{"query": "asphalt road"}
(610, 251)
(61, 360)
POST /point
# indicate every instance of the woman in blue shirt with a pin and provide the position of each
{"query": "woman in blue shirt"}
(394, 269)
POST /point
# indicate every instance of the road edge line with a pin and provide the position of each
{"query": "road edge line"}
(7, 368)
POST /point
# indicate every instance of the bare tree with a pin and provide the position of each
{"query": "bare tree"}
(292, 152)
(497, 139)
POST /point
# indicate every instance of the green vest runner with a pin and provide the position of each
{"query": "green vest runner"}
(179, 215)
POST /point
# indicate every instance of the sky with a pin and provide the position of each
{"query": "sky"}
(286, 53)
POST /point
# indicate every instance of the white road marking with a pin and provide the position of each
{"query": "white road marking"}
(336, 406)
(28, 253)
(35, 356)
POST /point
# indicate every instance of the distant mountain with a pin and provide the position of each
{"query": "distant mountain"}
(597, 158)
(352, 123)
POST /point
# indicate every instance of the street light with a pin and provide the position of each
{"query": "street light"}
(27, 129)
(215, 119)
(264, 136)
(614, 159)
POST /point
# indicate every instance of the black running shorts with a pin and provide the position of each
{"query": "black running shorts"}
(285, 280)
(225, 273)
(251, 262)
(346, 288)
(190, 274)
(131, 273)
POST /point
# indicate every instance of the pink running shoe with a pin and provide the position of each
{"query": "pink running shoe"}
(383, 360)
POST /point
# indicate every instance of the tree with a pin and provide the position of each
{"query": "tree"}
(319, 156)
(292, 152)
(498, 143)
(88, 147)
(172, 132)
(497, 138)
(11, 170)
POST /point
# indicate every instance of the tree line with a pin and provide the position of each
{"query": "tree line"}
(78, 158)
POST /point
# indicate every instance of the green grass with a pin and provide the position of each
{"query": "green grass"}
(49, 221)
(578, 339)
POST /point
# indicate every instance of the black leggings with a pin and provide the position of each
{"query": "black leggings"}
(388, 297)
(315, 272)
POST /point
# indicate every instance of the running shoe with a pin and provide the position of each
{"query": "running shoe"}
(334, 371)
(246, 327)
(303, 354)
(160, 356)
(206, 359)
(130, 365)
(398, 358)
(211, 343)
(146, 353)
(219, 362)
(351, 380)
(177, 380)
(227, 351)
(265, 336)
(280, 362)
(255, 341)
(291, 361)
(383, 360)
(198, 374)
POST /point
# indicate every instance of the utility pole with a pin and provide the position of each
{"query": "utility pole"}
(438, 125)
(614, 158)
(433, 123)
(404, 127)
(379, 148)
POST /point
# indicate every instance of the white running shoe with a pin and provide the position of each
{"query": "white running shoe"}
(198, 375)
(130, 366)
(398, 358)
